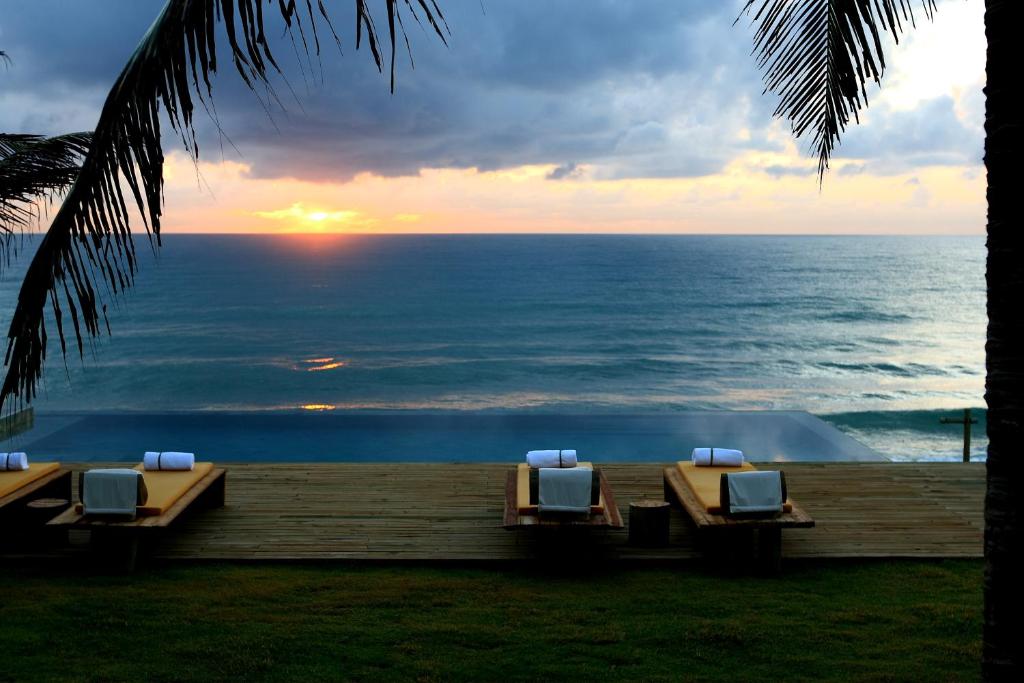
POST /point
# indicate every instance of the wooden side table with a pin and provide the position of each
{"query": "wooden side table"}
(648, 522)
(42, 510)
(36, 514)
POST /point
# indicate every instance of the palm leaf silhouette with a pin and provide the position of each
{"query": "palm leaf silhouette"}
(88, 252)
(34, 168)
(818, 56)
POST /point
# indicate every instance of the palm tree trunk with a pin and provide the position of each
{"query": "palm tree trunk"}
(1004, 386)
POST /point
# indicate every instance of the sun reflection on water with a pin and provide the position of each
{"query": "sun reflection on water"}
(321, 364)
(319, 407)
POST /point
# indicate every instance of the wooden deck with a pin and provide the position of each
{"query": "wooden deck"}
(428, 512)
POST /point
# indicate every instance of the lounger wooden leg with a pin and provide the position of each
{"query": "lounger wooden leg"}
(213, 497)
(712, 547)
(769, 550)
(62, 488)
(116, 549)
(131, 553)
(727, 550)
(669, 495)
(742, 550)
(219, 491)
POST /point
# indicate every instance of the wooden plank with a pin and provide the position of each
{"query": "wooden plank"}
(511, 504)
(424, 512)
(677, 489)
(611, 509)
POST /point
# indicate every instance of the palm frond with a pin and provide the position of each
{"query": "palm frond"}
(89, 245)
(818, 56)
(34, 169)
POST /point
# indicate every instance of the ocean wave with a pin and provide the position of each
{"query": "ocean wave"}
(862, 316)
(906, 420)
(907, 370)
(914, 435)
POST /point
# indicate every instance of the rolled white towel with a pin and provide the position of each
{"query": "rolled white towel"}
(13, 461)
(717, 457)
(168, 460)
(551, 458)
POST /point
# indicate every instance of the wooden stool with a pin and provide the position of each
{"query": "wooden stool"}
(42, 510)
(648, 522)
(36, 514)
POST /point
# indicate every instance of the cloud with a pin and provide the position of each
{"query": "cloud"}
(740, 200)
(920, 198)
(781, 170)
(643, 89)
(569, 170)
(931, 134)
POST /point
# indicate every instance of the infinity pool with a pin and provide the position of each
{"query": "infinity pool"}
(764, 436)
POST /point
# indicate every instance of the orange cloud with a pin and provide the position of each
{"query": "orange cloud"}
(749, 195)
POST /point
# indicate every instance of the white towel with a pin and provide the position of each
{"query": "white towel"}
(168, 460)
(564, 489)
(755, 492)
(552, 458)
(717, 457)
(110, 491)
(13, 461)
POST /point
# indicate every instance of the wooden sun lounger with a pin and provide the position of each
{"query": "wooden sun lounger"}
(207, 493)
(14, 505)
(769, 529)
(609, 518)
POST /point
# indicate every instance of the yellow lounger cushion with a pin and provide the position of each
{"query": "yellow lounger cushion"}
(15, 479)
(523, 490)
(165, 487)
(705, 482)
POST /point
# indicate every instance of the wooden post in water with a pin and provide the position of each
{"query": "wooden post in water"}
(966, 421)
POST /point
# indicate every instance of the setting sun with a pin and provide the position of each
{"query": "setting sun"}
(300, 218)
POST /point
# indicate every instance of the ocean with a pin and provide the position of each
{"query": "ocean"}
(879, 336)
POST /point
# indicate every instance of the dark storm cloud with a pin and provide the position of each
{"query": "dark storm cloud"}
(632, 87)
(652, 88)
(64, 58)
(85, 42)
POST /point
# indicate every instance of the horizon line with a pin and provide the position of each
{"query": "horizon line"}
(561, 234)
(32, 234)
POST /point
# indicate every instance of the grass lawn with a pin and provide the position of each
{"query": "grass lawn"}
(871, 620)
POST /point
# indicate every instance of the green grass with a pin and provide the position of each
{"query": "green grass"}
(862, 621)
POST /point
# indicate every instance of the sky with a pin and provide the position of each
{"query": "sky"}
(589, 116)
